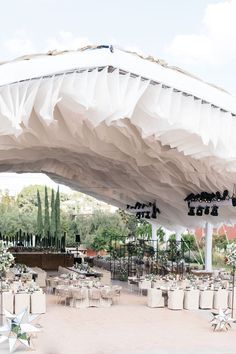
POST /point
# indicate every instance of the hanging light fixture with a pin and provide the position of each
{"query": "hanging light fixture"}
(191, 211)
(225, 195)
(207, 210)
(234, 197)
(199, 211)
(214, 211)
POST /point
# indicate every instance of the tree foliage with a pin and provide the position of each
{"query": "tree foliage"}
(46, 214)
(57, 215)
(53, 219)
(39, 216)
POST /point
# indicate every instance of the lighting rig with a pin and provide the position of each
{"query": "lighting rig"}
(205, 203)
(143, 210)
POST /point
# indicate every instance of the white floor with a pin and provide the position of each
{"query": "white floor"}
(129, 327)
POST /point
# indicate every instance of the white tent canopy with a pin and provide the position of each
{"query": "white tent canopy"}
(120, 128)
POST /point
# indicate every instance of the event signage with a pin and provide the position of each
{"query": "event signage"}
(143, 210)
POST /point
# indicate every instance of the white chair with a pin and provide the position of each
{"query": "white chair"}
(15, 286)
(63, 294)
(22, 302)
(117, 292)
(107, 295)
(158, 283)
(10, 275)
(106, 278)
(48, 289)
(144, 285)
(7, 302)
(53, 284)
(131, 283)
(155, 298)
(220, 299)
(80, 298)
(38, 302)
(175, 299)
(206, 299)
(41, 278)
(191, 299)
(94, 297)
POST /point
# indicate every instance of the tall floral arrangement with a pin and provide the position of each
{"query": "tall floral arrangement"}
(231, 254)
(6, 258)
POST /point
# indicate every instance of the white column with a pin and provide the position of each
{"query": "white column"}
(154, 235)
(208, 247)
(178, 238)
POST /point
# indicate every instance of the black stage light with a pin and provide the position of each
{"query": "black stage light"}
(234, 200)
(225, 194)
(189, 197)
(204, 196)
(199, 211)
(212, 197)
(207, 210)
(214, 211)
(218, 196)
(191, 211)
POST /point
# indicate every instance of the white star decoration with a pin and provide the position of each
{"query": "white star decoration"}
(221, 321)
(18, 329)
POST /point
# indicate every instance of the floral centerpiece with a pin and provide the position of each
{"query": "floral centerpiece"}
(231, 254)
(83, 267)
(6, 258)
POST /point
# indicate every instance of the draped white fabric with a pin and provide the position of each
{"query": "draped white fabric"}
(120, 138)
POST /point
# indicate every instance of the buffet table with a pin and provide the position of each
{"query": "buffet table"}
(29, 272)
(85, 273)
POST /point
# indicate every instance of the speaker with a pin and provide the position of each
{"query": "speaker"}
(77, 238)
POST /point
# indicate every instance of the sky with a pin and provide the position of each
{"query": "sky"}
(196, 35)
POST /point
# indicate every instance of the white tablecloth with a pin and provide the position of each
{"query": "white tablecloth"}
(206, 299)
(22, 301)
(191, 299)
(155, 298)
(175, 299)
(38, 302)
(7, 301)
(220, 299)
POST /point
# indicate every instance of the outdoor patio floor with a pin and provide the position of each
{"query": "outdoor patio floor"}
(126, 328)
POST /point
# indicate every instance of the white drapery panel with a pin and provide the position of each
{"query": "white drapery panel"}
(120, 138)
